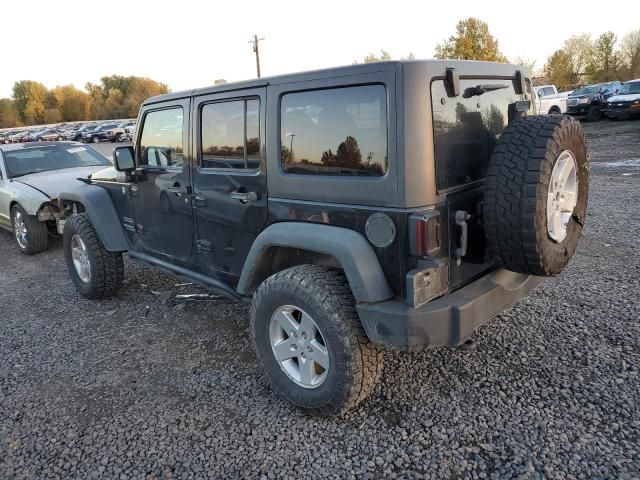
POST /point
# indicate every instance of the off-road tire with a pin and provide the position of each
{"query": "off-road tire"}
(37, 232)
(516, 193)
(107, 268)
(356, 363)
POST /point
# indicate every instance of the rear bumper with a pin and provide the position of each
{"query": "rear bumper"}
(448, 320)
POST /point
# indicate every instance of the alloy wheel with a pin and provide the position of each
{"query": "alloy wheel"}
(299, 346)
(80, 258)
(563, 195)
(20, 229)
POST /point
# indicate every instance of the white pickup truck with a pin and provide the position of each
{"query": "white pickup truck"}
(548, 100)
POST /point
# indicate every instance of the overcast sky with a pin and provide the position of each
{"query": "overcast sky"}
(190, 43)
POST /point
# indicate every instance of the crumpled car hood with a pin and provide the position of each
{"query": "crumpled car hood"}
(53, 182)
(625, 98)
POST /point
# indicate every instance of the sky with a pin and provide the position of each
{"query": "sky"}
(190, 43)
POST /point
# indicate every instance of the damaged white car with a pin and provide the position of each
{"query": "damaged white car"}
(31, 176)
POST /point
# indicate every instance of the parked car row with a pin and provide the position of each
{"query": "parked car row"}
(88, 132)
(592, 102)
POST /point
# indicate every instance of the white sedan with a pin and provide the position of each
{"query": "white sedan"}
(31, 177)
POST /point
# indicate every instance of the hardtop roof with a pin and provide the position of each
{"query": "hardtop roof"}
(436, 67)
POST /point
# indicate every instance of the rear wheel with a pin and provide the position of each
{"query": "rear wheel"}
(96, 140)
(96, 272)
(31, 235)
(310, 342)
(536, 196)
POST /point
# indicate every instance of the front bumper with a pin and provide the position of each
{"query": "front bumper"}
(615, 111)
(579, 110)
(448, 320)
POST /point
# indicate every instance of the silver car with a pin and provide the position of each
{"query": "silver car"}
(31, 177)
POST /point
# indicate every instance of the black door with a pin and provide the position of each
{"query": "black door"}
(230, 185)
(162, 192)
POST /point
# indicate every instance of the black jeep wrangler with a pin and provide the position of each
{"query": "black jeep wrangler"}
(393, 204)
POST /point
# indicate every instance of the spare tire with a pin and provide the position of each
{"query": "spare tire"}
(536, 194)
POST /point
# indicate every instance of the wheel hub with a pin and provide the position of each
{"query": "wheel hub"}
(562, 196)
(80, 258)
(20, 229)
(299, 346)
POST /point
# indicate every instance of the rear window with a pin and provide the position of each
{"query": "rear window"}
(467, 127)
(339, 131)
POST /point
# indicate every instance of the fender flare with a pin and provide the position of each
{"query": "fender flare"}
(98, 204)
(352, 251)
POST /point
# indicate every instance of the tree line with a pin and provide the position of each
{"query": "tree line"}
(580, 60)
(115, 96)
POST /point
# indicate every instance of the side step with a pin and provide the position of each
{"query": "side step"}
(190, 275)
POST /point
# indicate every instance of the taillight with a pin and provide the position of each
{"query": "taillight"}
(424, 234)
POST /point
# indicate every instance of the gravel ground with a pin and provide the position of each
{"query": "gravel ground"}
(137, 388)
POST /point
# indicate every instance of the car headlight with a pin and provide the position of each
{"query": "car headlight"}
(584, 100)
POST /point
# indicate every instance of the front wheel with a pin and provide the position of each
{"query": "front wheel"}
(310, 342)
(96, 140)
(594, 114)
(31, 235)
(96, 272)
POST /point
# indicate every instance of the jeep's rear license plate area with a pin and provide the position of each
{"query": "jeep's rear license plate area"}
(468, 257)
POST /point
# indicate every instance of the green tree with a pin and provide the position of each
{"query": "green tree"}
(9, 114)
(29, 98)
(630, 55)
(139, 90)
(579, 48)
(373, 57)
(559, 69)
(529, 63)
(472, 41)
(73, 104)
(603, 65)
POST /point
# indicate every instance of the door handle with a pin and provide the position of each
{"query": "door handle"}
(244, 197)
(178, 190)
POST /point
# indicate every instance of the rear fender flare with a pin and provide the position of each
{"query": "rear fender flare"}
(353, 252)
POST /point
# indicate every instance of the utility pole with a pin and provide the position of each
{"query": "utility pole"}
(254, 41)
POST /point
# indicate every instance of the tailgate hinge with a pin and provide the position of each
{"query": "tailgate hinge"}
(199, 201)
(203, 246)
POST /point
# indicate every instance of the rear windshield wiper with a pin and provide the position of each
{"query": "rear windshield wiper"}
(480, 89)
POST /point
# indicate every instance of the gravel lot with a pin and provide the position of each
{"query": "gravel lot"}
(135, 388)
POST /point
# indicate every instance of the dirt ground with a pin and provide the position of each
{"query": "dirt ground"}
(135, 387)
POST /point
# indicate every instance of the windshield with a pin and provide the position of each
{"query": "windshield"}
(52, 157)
(630, 88)
(586, 90)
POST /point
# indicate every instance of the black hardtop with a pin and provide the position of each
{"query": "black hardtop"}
(436, 67)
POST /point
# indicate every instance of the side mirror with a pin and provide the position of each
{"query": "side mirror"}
(123, 159)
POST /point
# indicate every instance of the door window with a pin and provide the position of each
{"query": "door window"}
(161, 140)
(230, 135)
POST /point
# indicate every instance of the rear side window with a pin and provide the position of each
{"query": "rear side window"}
(340, 131)
(161, 139)
(467, 127)
(230, 135)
